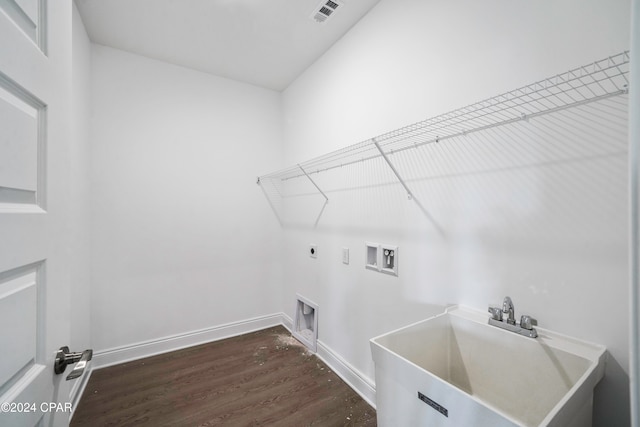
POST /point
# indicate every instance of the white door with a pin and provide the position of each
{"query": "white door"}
(35, 73)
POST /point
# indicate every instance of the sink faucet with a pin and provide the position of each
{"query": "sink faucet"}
(525, 327)
(509, 310)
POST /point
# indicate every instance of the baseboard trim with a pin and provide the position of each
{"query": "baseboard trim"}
(360, 383)
(78, 389)
(286, 321)
(115, 356)
(355, 379)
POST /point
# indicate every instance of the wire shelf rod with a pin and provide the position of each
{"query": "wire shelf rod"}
(450, 136)
(581, 85)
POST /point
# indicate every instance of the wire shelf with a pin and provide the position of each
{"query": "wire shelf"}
(589, 83)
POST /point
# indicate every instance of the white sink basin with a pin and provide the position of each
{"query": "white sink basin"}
(456, 370)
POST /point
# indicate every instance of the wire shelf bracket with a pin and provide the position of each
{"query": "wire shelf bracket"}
(326, 199)
(314, 184)
(410, 194)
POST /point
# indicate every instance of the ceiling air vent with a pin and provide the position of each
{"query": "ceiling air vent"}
(325, 10)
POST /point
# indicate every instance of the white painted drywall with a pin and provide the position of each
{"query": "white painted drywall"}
(182, 237)
(79, 190)
(634, 241)
(554, 238)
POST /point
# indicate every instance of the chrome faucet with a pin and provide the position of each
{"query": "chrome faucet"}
(525, 327)
(509, 310)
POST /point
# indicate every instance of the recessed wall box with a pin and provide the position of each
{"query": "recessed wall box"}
(345, 255)
(305, 322)
(371, 255)
(382, 258)
(389, 259)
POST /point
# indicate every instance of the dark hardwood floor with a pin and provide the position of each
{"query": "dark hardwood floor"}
(264, 378)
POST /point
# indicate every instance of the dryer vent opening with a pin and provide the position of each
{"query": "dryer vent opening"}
(305, 322)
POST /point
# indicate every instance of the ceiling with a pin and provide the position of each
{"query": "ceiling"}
(264, 43)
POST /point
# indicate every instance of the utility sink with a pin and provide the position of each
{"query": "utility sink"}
(455, 369)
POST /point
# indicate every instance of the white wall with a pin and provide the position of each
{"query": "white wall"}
(79, 149)
(538, 212)
(182, 237)
(634, 184)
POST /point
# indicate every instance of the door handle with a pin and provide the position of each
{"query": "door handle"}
(64, 357)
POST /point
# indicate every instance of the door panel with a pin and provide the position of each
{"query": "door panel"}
(34, 263)
(29, 16)
(18, 307)
(22, 147)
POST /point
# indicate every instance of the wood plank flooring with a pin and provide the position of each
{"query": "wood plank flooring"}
(265, 378)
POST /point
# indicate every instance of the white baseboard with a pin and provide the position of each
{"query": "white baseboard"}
(127, 353)
(355, 379)
(286, 321)
(77, 389)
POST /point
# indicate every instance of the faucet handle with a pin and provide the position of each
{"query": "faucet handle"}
(527, 322)
(496, 313)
